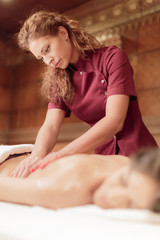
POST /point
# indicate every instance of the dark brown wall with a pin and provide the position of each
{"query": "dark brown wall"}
(28, 106)
(5, 95)
(143, 48)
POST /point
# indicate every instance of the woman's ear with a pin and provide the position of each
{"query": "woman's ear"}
(62, 31)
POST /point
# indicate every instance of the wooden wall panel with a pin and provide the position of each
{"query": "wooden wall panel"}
(5, 96)
(5, 99)
(148, 36)
(148, 70)
(149, 102)
(4, 121)
(143, 48)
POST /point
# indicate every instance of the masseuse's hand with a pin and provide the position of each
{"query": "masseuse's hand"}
(51, 157)
(23, 169)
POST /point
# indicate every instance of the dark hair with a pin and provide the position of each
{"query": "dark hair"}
(148, 161)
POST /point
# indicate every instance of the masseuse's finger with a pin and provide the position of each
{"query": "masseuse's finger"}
(44, 162)
(19, 169)
(39, 164)
(23, 172)
(17, 172)
(20, 172)
(35, 166)
(23, 168)
(51, 157)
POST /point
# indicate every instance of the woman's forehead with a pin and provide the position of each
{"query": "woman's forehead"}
(36, 45)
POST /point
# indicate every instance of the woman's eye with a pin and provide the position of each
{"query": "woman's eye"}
(47, 50)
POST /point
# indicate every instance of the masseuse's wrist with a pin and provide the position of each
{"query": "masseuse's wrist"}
(60, 154)
(38, 154)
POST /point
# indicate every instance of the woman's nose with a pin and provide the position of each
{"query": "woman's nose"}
(47, 60)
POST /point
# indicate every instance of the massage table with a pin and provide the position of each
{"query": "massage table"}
(21, 222)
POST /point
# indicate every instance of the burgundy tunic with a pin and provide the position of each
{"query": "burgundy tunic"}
(103, 73)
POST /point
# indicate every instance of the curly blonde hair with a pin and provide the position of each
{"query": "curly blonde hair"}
(57, 83)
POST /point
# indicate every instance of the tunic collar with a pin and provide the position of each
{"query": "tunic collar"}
(82, 64)
(79, 66)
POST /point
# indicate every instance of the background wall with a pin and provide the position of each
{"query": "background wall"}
(5, 94)
(23, 109)
(143, 47)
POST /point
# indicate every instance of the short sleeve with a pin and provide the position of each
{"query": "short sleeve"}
(120, 73)
(60, 105)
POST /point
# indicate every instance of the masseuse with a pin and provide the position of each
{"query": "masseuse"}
(94, 82)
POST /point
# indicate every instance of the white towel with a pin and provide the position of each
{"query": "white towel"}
(7, 150)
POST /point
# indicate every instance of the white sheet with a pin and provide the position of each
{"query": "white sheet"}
(19, 222)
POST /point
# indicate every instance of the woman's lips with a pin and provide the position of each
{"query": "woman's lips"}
(57, 64)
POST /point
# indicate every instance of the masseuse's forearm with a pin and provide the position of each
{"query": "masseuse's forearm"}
(45, 141)
(48, 133)
(94, 137)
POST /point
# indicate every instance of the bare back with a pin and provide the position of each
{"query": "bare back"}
(69, 181)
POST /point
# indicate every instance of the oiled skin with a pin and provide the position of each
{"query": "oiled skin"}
(69, 181)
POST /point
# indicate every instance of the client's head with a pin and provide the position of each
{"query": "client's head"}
(134, 186)
(148, 162)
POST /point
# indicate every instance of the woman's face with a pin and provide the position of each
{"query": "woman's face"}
(56, 51)
(127, 189)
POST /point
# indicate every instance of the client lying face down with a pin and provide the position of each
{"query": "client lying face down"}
(107, 181)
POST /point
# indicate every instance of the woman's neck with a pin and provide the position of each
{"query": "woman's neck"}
(75, 56)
